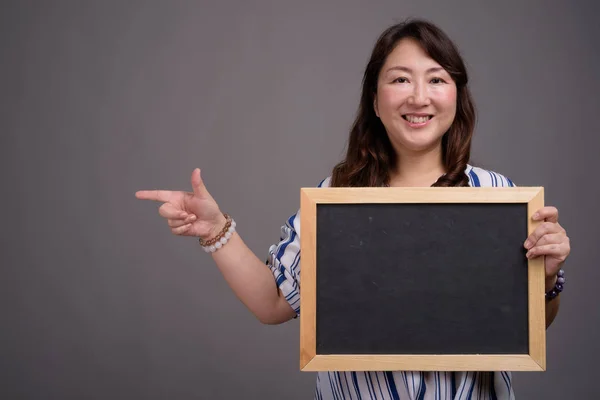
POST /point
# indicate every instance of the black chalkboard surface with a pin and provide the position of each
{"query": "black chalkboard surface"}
(420, 279)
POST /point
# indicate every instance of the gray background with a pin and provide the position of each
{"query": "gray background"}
(100, 99)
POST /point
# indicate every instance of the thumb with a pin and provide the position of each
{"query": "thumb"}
(198, 184)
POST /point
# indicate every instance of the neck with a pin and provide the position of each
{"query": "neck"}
(418, 169)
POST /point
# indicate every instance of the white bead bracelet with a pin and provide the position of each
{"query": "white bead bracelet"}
(212, 245)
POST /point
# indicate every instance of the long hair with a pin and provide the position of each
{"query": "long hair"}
(370, 156)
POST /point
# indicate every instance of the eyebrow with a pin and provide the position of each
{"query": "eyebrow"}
(406, 69)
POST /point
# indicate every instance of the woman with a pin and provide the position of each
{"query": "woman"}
(413, 128)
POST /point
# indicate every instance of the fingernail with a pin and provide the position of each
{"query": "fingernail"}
(536, 216)
(527, 244)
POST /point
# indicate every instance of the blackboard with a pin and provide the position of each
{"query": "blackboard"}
(420, 279)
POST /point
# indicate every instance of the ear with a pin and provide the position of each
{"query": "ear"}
(375, 105)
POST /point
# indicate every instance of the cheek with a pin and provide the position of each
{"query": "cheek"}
(447, 100)
(388, 99)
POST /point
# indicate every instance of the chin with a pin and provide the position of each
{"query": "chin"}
(418, 145)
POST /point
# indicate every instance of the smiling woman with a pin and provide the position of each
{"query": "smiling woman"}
(413, 128)
(416, 114)
(415, 101)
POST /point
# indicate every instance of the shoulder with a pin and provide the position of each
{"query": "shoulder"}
(477, 177)
(483, 177)
(293, 222)
(325, 182)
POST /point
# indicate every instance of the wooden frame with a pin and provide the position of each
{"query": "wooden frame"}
(310, 361)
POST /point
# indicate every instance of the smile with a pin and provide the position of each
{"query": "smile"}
(417, 120)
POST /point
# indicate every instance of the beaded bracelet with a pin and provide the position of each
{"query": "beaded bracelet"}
(212, 245)
(558, 287)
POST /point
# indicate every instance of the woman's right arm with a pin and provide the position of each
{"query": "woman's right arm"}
(252, 281)
(197, 214)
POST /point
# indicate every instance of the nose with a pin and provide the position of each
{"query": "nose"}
(419, 96)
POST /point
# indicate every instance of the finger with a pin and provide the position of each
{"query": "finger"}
(558, 251)
(168, 210)
(156, 195)
(549, 214)
(180, 230)
(552, 238)
(198, 183)
(176, 223)
(543, 229)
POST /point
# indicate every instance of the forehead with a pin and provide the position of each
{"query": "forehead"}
(409, 53)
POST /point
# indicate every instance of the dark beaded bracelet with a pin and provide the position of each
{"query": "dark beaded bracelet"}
(558, 287)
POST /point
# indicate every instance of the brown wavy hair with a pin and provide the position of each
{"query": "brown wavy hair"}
(370, 156)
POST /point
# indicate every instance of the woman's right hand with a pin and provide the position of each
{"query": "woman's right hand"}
(188, 213)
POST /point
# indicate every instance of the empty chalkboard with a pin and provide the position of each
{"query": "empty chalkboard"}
(420, 279)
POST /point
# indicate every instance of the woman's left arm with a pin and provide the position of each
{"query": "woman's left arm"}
(549, 239)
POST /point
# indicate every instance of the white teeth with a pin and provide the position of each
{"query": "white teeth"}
(416, 120)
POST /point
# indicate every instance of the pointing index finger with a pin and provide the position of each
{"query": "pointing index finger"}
(156, 195)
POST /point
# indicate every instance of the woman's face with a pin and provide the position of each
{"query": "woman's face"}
(415, 99)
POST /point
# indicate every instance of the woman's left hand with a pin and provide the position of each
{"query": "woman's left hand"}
(549, 239)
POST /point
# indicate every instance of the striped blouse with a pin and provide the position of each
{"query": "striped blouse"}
(284, 262)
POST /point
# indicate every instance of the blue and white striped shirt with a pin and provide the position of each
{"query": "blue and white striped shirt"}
(284, 261)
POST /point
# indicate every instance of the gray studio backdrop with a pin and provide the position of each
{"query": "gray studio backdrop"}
(100, 99)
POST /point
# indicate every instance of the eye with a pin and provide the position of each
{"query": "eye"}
(400, 80)
(437, 80)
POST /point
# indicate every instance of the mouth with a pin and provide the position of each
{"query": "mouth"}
(417, 120)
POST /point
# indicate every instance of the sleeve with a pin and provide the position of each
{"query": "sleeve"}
(509, 182)
(284, 258)
(284, 261)
(495, 179)
(479, 177)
